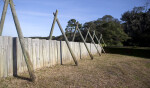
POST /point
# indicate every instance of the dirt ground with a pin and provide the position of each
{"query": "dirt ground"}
(108, 70)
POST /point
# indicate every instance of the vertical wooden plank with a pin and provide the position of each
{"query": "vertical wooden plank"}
(83, 50)
(78, 45)
(35, 56)
(63, 54)
(72, 47)
(23, 59)
(51, 52)
(46, 52)
(19, 56)
(30, 49)
(81, 46)
(1, 56)
(67, 58)
(58, 52)
(80, 49)
(5, 64)
(10, 56)
(34, 53)
(41, 53)
(55, 52)
(38, 55)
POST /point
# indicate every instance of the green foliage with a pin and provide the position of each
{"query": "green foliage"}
(111, 29)
(137, 26)
(69, 30)
(71, 26)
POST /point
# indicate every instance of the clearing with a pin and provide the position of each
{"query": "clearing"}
(108, 70)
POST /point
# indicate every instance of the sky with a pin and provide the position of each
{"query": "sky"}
(36, 16)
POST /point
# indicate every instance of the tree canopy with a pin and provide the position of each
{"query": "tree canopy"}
(132, 30)
(111, 29)
(137, 25)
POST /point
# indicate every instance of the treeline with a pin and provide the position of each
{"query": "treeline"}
(132, 30)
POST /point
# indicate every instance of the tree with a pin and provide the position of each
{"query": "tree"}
(70, 28)
(111, 29)
(137, 25)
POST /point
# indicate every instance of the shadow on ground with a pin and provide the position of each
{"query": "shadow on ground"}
(138, 52)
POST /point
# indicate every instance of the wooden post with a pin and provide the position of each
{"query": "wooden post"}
(84, 42)
(74, 34)
(21, 39)
(3, 16)
(100, 38)
(52, 28)
(94, 43)
(103, 41)
(99, 43)
(93, 34)
(86, 34)
(73, 56)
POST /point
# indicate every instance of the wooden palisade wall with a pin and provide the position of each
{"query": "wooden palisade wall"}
(43, 53)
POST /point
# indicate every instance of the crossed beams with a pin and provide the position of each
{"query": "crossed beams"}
(94, 35)
(63, 33)
(20, 35)
(77, 28)
(88, 33)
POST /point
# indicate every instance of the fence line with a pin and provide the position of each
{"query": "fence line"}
(43, 53)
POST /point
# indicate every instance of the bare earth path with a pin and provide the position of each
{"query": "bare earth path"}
(109, 70)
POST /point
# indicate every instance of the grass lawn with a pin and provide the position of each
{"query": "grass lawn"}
(108, 70)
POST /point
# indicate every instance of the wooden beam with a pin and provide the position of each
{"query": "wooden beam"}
(93, 34)
(99, 43)
(73, 56)
(100, 38)
(103, 41)
(94, 43)
(74, 34)
(84, 42)
(3, 16)
(21, 39)
(86, 35)
(52, 28)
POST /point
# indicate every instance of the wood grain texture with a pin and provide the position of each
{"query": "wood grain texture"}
(43, 53)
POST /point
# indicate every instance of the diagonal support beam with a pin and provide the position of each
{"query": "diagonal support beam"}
(87, 34)
(73, 56)
(52, 28)
(93, 34)
(21, 39)
(101, 38)
(99, 42)
(74, 34)
(104, 42)
(84, 42)
(3, 16)
(94, 42)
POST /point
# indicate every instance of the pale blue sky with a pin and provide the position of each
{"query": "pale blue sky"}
(36, 16)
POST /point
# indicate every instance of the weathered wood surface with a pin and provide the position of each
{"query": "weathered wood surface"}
(6, 55)
(43, 53)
